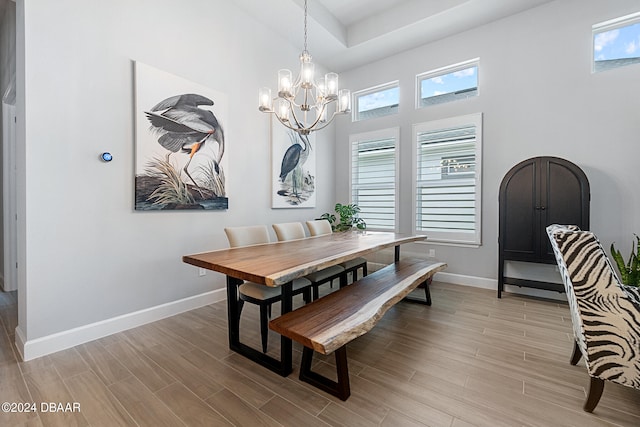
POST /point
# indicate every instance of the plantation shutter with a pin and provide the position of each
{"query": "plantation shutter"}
(448, 184)
(373, 180)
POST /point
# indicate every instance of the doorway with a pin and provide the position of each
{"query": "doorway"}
(9, 213)
(8, 202)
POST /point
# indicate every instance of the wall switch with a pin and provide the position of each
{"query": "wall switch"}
(202, 271)
(432, 253)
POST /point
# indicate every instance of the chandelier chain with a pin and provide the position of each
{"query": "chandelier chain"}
(305, 26)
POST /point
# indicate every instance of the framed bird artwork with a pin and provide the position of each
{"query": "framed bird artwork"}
(180, 142)
(293, 166)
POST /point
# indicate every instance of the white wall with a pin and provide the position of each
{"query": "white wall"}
(85, 255)
(539, 98)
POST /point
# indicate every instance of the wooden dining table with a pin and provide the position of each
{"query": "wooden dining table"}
(277, 264)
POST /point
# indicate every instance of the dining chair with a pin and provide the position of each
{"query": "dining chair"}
(295, 230)
(255, 293)
(319, 227)
(604, 312)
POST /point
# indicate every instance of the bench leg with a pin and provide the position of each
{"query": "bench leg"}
(340, 388)
(427, 293)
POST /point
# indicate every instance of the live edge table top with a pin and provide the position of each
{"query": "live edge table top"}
(275, 264)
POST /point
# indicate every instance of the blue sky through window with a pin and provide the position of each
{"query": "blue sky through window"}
(450, 83)
(383, 98)
(618, 43)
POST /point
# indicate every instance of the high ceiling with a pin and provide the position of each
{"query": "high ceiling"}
(343, 34)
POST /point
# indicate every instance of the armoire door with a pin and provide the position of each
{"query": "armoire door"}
(519, 220)
(564, 199)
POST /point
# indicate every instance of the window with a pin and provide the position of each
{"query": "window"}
(375, 102)
(616, 43)
(448, 172)
(373, 177)
(447, 84)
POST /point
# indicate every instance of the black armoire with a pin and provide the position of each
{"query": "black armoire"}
(535, 193)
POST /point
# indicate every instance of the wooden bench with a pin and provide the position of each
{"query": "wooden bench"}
(329, 323)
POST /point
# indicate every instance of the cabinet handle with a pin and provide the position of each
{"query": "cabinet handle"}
(543, 208)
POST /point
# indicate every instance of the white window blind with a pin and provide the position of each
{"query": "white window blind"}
(373, 177)
(448, 175)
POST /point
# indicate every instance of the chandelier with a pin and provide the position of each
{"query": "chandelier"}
(303, 105)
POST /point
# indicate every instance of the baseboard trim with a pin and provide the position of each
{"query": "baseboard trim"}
(32, 349)
(19, 340)
(484, 283)
(461, 279)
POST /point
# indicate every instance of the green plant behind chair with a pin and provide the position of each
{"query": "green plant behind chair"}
(629, 271)
(348, 218)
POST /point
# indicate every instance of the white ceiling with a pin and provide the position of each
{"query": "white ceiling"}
(344, 34)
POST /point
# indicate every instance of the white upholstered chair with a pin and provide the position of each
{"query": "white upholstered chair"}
(319, 227)
(289, 231)
(255, 293)
(295, 230)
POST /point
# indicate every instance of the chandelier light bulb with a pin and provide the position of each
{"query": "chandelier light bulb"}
(322, 115)
(307, 75)
(331, 80)
(345, 101)
(264, 99)
(283, 109)
(320, 92)
(284, 83)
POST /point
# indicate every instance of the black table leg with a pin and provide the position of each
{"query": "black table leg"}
(233, 312)
(282, 366)
(286, 348)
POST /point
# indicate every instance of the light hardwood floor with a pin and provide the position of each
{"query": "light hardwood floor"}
(469, 360)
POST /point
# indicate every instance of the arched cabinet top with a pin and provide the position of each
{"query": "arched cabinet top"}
(575, 169)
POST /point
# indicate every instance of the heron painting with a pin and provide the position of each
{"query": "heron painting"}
(294, 169)
(180, 143)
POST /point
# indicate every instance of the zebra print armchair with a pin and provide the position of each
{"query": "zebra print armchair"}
(605, 313)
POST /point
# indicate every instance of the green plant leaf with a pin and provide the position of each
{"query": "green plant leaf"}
(617, 256)
(348, 215)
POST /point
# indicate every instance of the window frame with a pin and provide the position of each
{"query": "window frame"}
(355, 114)
(387, 133)
(449, 69)
(612, 24)
(450, 238)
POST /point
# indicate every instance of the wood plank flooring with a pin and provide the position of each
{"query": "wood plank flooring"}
(468, 360)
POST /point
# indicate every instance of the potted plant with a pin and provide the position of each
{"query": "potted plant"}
(629, 272)
(348, 215)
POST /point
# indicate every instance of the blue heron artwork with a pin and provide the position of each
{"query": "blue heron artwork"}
(180, 143)
(294, 168)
